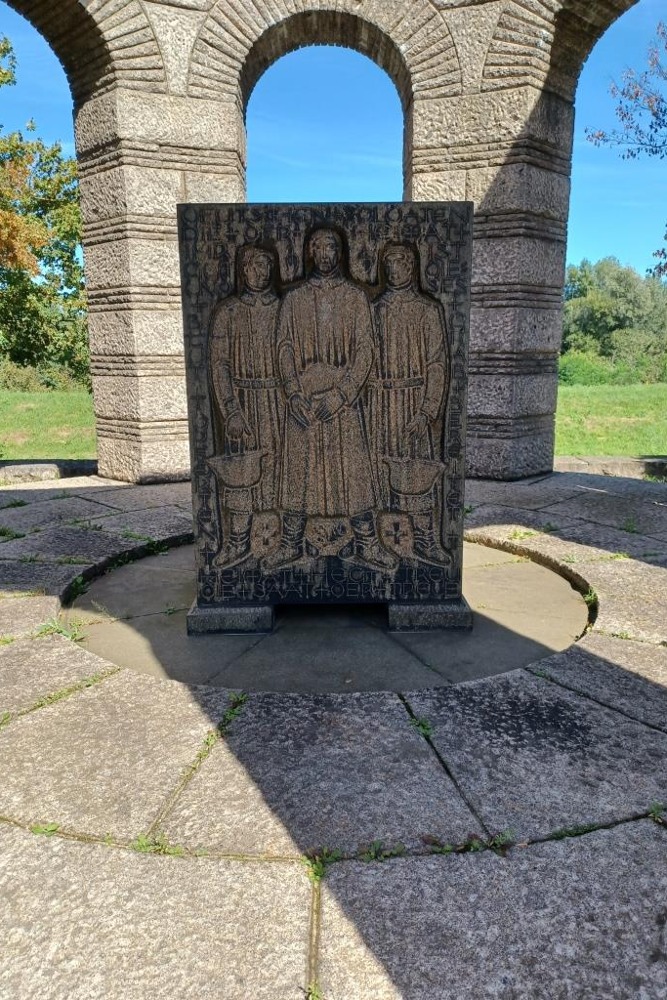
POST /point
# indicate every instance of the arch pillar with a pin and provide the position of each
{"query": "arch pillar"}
(509, 153)
(140, 154)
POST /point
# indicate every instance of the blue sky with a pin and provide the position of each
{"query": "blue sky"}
(344, 142)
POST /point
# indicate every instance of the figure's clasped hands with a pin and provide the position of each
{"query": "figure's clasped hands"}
(418, 426)
(300, 409)
(237, 427)
(329, 403)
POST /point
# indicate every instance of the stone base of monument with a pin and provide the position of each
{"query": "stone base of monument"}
(422, 617)
(249, 618)
(259, 618)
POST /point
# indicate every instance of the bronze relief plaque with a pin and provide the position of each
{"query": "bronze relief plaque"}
(326, 360)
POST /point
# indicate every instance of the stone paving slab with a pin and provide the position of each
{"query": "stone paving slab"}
(581, 919)
(20, 616)
(104, 761)
(620, 486)
(301, 772)
(50, 512)
(628, 513)
(38, 578)
(33, 492)
(632, 598)
(585, 542)
(125, 497)
(509, 521)
(328, 653)
(88, 922)
(166, 523)
(165, 649)
(30, 669)
(54, 544)
(533, 757)
(527, 495)
(625, 675)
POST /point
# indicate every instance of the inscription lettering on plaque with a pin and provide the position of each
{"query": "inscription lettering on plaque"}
(326, 358)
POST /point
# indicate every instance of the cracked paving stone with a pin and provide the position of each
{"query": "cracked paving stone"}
(567, 920)
(302, 772)
(31, 669)
(533, 757)
(88, 922)
(104, 760)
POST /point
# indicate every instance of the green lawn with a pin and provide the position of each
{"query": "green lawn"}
(46, 425)
(591, 420)
(612, 420)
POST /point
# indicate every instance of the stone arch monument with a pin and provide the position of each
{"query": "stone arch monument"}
(160, 89)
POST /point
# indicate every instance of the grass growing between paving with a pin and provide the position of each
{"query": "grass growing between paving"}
(46, 425)
(612, 420)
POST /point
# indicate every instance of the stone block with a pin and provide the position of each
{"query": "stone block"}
(141, 399)
(426, 617)
(512, 394)
(520, 188)
(526, 453)
(518, 260)
(326, 357)
(516, 328)
(156, 332)
(20, 616)
(133, 262)
(140, 116)
(250, 618)
(628, 676)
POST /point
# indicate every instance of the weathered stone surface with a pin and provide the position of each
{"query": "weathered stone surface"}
(31, 669)
(35, 578)
(88, 922)
(61, 511)
(80, 545)
(147, 497)
(578, 918)
(625, 675)
(517, 739)
(164, 523)
(20, 616)
(326, 355)
(648, 517)
(305, 772)
(73, 763)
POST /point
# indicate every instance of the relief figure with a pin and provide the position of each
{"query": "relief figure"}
(406, 399)
(247, 389)
(325, 354)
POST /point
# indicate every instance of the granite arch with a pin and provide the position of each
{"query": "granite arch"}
(160, 88)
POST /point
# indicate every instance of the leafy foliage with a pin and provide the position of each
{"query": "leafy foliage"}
(642, 115)
(42, 297)
(614, 325)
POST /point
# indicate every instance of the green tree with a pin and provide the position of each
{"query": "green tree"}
(642, 116)
(42, 296)
(613, 313)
